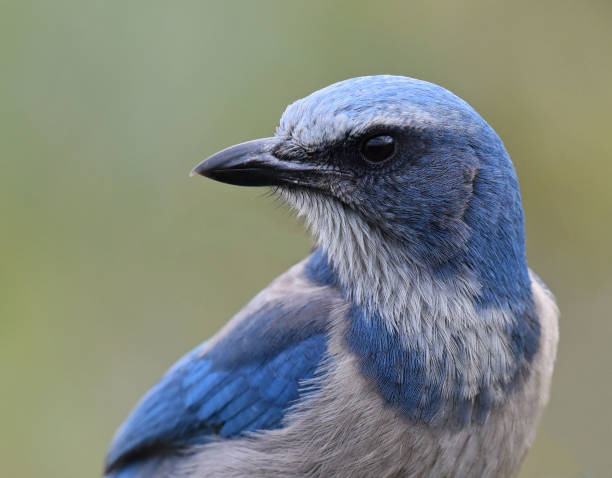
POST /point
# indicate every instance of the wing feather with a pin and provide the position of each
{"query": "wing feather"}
(243, 379)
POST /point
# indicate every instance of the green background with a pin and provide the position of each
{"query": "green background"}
(114, 263)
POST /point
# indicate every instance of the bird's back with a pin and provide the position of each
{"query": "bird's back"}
(243, 379)
(347, 430)
(329, 420)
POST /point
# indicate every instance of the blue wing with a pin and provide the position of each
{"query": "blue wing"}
(243, 379)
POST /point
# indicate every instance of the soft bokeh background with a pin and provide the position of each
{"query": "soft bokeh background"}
(114, 262)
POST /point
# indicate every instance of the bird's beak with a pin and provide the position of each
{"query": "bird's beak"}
(254, 164)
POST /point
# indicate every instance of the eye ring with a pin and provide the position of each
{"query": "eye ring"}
(378, 149)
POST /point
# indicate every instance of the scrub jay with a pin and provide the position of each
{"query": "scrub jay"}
(413, 342)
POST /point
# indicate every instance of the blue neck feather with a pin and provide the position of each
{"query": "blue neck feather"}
(498, 260)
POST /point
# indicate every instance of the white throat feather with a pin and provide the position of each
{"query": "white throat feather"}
(440, 318)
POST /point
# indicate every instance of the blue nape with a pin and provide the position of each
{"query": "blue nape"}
(246, 382)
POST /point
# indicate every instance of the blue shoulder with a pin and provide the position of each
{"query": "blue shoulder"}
(243, 379)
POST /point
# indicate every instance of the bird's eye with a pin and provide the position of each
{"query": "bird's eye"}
(378, 148)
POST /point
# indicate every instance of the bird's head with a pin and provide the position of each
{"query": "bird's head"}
(400, 159)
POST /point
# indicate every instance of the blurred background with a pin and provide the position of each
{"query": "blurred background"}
(114, 263)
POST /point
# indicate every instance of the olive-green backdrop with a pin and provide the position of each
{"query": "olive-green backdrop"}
(113, 262)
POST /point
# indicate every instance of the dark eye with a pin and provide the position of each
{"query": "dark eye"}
(378, 148)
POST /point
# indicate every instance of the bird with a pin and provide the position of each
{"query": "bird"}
(413, 341)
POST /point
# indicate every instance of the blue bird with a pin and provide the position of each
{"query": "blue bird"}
(413, 342)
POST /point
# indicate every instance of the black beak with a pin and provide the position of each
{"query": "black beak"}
(254, 164)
